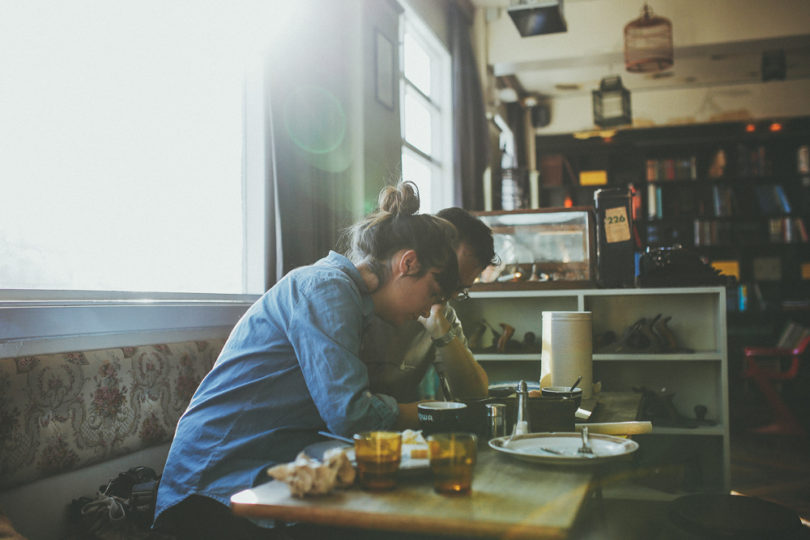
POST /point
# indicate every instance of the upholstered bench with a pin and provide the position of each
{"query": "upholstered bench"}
(71, 421)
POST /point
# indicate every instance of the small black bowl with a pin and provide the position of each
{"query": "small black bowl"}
(563, 392)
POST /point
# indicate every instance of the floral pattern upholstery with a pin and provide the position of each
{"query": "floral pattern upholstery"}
(64, 411)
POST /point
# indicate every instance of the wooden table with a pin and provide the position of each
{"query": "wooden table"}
(510, 499)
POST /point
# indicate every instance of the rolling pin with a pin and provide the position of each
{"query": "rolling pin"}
(617, 428)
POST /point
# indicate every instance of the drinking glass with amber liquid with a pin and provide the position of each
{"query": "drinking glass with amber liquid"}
(378, 454)
(452, 458)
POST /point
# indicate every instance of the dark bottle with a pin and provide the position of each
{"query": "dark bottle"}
(615, 263)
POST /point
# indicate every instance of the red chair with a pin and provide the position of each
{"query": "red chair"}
(764, 367)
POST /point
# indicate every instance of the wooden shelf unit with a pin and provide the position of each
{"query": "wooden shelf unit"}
(698, 319)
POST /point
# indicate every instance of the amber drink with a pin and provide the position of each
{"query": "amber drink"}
(452, 458)
(378, 454)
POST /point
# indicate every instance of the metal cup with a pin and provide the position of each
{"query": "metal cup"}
(496, 419)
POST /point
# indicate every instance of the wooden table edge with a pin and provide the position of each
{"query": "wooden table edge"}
(374, 521)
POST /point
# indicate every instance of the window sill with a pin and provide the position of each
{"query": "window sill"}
(42, 322)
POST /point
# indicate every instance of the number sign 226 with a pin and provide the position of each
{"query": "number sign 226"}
(617, 226)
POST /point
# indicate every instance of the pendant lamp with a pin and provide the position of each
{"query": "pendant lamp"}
(648, 43)
(611, 103)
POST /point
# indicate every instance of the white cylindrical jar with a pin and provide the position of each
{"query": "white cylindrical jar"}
(567, 353)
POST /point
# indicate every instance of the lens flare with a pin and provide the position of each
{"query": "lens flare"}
(314, 119)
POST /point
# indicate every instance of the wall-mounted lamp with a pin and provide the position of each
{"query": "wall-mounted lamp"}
(611, 103)
(536, 17)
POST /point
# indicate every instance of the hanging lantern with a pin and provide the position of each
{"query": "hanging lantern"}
(648, 43)
(611, 103)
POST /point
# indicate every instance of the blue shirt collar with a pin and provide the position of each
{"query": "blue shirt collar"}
(343, 263)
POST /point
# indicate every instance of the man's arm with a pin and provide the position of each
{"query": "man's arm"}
(466, 377)
(408, 417)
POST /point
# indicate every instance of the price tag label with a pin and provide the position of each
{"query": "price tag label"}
(617, 226)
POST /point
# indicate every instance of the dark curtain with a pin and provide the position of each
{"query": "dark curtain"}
(470, 130)
(311, 138)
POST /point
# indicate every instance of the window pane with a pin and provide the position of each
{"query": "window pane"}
(426, 112)
(122, 144)
(418, 171)
(416, 64)
(418, 126)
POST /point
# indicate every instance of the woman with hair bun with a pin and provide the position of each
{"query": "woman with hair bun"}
(291, 365)
(427, 243)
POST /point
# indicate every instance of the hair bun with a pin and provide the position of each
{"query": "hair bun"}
(402, 199)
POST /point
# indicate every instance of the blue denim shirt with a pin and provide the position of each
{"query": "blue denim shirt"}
(290, 367)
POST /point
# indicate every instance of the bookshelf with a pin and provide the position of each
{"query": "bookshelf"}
(736, 192)
(740, 194)
(703, 201)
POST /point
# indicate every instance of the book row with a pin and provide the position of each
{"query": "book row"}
(718, 201)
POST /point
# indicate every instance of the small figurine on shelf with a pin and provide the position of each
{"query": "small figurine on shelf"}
(643, 336)
(516, 274)
(496, 336)
(502, 342)
(476, 336)
(530, 343)
(508, 332)
(542, 276)
(717, 169)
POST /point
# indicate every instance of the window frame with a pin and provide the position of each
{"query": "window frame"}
(44, 321)
(47, 321)
(440, 160)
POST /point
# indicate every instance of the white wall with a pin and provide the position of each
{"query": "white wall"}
(595, 34)
(774, 99)
(380, 136)
(596, 26)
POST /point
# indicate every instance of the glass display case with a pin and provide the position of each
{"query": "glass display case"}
(547, 248)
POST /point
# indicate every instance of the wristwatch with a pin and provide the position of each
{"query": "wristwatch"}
(448, 337)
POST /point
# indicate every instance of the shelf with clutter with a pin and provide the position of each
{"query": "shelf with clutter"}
(668, 344)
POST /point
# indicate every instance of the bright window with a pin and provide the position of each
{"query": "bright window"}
(426, 113)
(421, 171)
(122, 138)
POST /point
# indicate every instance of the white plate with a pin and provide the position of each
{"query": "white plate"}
(561, 448)
(318, 449)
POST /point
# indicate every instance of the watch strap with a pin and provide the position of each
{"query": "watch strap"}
(447, 338)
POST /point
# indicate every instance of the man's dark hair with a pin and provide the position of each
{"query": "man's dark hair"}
(473, 232)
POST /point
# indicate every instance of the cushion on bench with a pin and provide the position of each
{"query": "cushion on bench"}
(60, 412)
